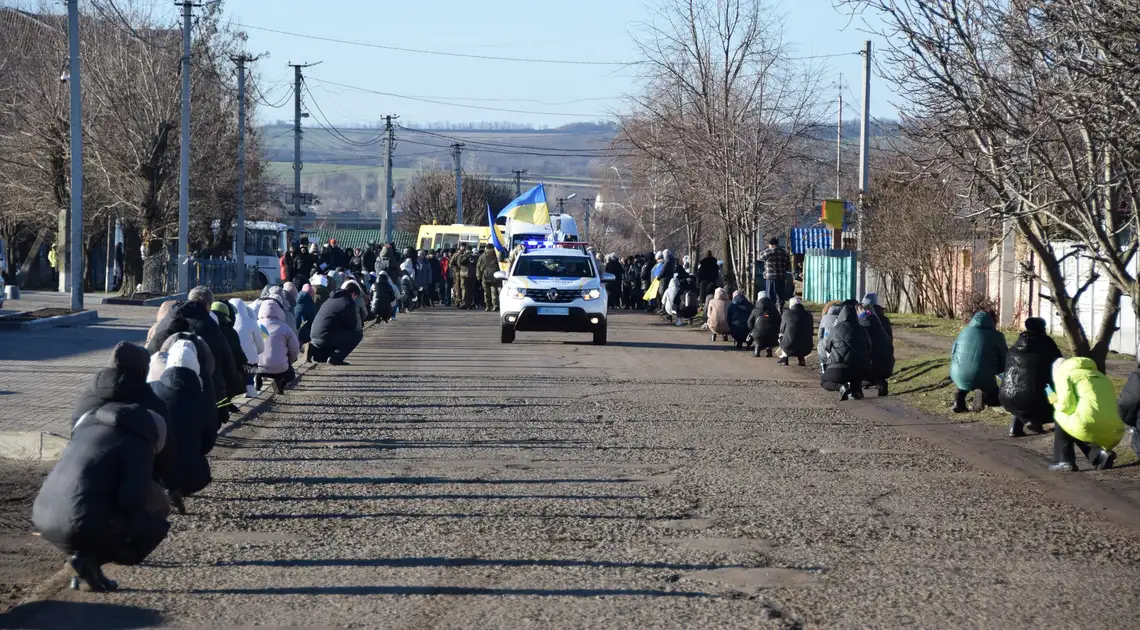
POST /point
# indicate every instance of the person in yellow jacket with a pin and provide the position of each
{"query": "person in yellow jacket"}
(1085, 415)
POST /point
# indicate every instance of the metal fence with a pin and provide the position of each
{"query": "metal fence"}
(160, 274)
(829, 274)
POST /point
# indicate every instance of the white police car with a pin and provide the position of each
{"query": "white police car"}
(553, 289)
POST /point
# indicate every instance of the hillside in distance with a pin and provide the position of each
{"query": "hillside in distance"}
(344, 167)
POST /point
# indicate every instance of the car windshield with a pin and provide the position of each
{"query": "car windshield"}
(554, 267)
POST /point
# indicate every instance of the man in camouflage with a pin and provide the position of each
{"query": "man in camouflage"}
(485, 270)
(464, 277)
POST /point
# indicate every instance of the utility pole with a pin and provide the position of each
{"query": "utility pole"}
(839, 147)
(75, 265)
(518, 181)
(861, 285)
(184, 159)
(589, 203)
(389, 190)
(457, 152)
(561, 205)
(239, 228)
(297, 164)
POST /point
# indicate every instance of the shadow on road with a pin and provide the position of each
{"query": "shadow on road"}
(57, 614)
(445, 590)
(413, 481)
(474, 562)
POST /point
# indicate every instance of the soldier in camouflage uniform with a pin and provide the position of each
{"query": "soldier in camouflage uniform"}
(485, 271)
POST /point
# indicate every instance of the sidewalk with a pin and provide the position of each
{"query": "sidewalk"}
(42, 373)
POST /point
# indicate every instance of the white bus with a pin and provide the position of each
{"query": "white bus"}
(265, 241)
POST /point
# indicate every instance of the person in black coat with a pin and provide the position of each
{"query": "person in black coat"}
(1028, 371)
(100, 502)
(367, 260)
(764, 322)
(337, 328)
(882, 349)
(846, 355)
(708, 272)
(382, 298)
(193, 316)
(797, 332)
(175, 380)
(613, 289)
(739, 312)
(1128, 405)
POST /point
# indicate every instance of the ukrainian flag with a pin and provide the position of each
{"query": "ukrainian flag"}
(496, 240)
(530, 207)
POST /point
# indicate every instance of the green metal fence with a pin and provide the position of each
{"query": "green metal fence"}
(829, 274)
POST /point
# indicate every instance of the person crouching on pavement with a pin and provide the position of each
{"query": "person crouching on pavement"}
(882, 348)
(1028, 372)
(245, 325)
(976, 359)
(281, 347)
(337, 328)
(175, 377)
(739, 311)
(716, 314)
(1084, 415)
(383, 297)
(846, 355)
(765, 325)
(100, 503)
(797, 332)
(1128, 406)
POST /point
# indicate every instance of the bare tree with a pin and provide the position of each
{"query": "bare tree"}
(430, 198)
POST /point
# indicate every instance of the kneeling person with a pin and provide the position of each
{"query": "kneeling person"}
(337, 327)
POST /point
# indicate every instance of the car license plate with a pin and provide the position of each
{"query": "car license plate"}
(553, 310)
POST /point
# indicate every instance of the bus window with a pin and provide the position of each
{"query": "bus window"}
(450, 241)
(425, 243)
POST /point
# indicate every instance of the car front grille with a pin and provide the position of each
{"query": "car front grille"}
(562, 296)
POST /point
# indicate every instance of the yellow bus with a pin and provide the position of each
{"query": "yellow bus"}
(452, 236)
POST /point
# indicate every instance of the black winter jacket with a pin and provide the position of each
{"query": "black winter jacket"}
(847, 348)
(707, 270)
(633, 277)
(739, 311)
(1028, 370)
(797, 331)
(618, 272)
(227, 380)
(337, 313)
(1129, 402)
(882, 347)
(96, 498)
(194, 426)
(765, 324)
(886, 321)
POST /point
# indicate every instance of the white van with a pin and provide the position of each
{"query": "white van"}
(554, 289)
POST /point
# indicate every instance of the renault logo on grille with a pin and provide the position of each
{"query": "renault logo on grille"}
(552, 294)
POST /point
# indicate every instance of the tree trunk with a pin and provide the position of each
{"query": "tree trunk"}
(1106, 328)
(132, 259)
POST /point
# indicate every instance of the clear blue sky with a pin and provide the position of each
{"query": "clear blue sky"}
(589, 30)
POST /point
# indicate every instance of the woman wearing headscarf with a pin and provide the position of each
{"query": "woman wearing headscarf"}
(245, 325)
(739, 310)
(281, 346)
(764, 322)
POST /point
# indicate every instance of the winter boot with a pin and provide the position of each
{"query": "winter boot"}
(86, 574)
(1062, 467)
(1016, 428)
(108, 583)
(783, 361)
(883, 391)
(1103, 460)
(979, 403)
(801, 362)
(176, 502)
(844, 393)
(959, 405)
(768, 354)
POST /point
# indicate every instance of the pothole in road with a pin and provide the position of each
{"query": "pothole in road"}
(753, 579)
(720, 544)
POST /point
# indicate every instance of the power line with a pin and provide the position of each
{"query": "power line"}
(436, 102)
(437, 52)
(332, 129)
(601, 152)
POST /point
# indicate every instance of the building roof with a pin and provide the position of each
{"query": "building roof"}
(360, 238)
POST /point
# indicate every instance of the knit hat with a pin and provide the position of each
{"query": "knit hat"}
(291, 289)
(223, 308)
(127, 357)
(1035, 324)
(761, 295)
(871, 299)
(308, 288)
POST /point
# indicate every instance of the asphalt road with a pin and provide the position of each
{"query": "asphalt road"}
(444, 480)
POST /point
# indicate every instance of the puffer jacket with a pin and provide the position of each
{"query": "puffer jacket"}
(826, 322)
(716, 312)
(245, 325)
(669, 300)
(383, 297)
(1128, 405)
(847, 348)
(193, 424)
(281, 345)
(882, 347)
(225, 314)
(739, 310)
(227, 380)
(99, 496)
(339, 313)
(423, 272)
(765, 324)
(305, 310)
(1028, 371)
(797, 331)
(1085, 406)
(978, 355)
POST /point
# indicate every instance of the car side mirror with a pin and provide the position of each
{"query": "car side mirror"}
(500, 275)
(608, 277)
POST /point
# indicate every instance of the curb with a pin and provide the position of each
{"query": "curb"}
(71, 319)
(35, 446)
(121, 301)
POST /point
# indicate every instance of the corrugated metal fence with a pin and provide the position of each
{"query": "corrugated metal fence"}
(803, 239)
(829, 274)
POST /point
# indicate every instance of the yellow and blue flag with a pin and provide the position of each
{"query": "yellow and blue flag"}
(495, 240)
(530, 207)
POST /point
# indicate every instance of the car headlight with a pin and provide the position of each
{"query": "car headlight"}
(516, 293)
(591, 294)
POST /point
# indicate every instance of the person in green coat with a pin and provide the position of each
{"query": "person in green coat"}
(976, 360)
(1084, 415)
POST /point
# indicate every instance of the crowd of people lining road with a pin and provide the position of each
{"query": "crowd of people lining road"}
(142, 429)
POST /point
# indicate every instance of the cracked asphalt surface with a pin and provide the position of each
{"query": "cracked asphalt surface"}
(444, 480)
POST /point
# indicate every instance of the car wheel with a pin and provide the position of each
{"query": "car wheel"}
(600, 336)
(508, 334)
